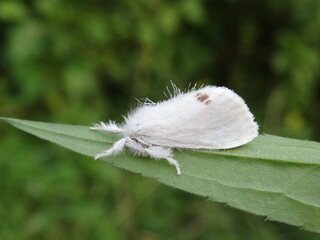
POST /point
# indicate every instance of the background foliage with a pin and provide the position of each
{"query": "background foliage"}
(79, 62)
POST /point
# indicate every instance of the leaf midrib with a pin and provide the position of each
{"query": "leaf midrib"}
(202, 152)
(250, 188)
(194, 176)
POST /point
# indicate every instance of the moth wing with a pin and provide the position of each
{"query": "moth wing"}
(209, 118)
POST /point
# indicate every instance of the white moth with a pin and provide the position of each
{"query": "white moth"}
(206, 118)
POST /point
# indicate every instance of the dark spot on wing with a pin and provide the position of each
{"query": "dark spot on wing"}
(207, 102)
(203, 97)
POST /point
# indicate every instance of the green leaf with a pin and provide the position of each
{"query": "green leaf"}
(272, 176)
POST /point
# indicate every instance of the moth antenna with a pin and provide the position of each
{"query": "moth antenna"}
(139, 102)
(173, 88)
(168, 90)
(165, 94)
(176, 90)
(189, 87)
(126, 118)
(147, 101)
(194, 88)
(111, 127)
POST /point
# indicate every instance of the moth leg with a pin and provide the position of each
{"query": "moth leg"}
(175, 163)
(156, 152)
(116, 148)
(136, 148)
(160, 152)
(107, 127)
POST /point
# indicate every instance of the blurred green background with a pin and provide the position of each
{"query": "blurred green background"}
(78, 62)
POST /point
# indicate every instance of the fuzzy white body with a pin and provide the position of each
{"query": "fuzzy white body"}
(207, 118)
